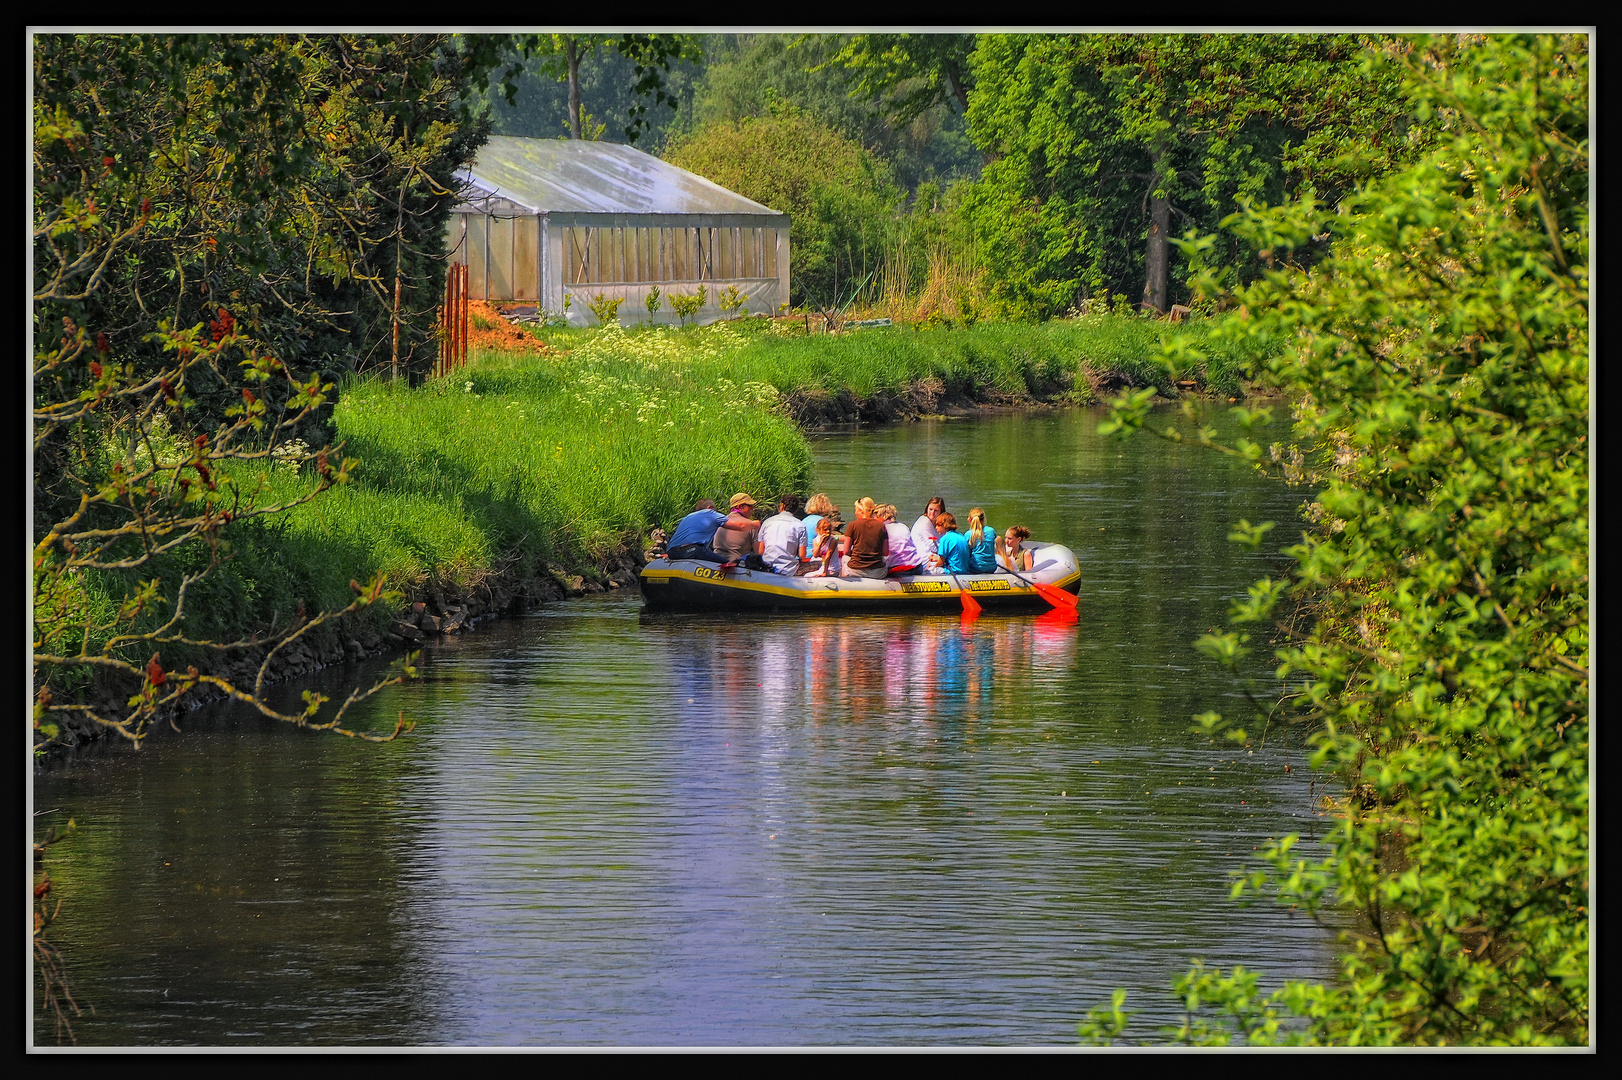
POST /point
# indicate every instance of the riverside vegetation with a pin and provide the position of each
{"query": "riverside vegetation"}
(214, 214)
(534, 473)
(1439, 367)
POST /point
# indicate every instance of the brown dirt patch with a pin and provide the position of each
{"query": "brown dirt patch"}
(498, 333)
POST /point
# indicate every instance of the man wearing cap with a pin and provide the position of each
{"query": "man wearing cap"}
(734, 541)
(691, 539)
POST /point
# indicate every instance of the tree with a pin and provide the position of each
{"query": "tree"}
(202, 204)
(212, 213)
(1099, 141)
(751, 75)
(910, 73)
(1439, 367)
(295, 181)
(838, 196)
(559, 56)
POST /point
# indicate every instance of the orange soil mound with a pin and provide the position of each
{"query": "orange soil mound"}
(501, 333)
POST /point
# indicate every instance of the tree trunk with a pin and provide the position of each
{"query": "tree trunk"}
(572, 54)
(1157, 262)
(960, 94)
(394, 362)
(959, 91)
(394, 317)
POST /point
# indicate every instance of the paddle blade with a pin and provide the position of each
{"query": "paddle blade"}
(1056, 596)
(971, 606)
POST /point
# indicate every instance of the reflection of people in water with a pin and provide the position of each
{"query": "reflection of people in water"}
(885, 672)
(981, 650)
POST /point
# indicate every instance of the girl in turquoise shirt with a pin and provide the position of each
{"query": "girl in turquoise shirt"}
(951, 549)
(982, 544)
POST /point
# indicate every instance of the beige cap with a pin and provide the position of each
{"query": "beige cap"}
(742, 498)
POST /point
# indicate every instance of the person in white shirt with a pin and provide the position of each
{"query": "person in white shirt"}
(924, 533)
(781, 540)
(903, 557)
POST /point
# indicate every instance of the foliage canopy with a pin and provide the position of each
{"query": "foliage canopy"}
(212, 213)
(1104, 145)
(1440, 361)
(838, 195)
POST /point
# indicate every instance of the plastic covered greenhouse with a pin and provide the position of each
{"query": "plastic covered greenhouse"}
(558, 223)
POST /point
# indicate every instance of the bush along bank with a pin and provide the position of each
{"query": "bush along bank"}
(532, 475)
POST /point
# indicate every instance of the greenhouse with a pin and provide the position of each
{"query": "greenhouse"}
(563, 224)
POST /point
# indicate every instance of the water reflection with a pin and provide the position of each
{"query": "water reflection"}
(901, 667)
(619, 828)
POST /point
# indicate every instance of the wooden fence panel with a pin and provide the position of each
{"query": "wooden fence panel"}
(454, 318)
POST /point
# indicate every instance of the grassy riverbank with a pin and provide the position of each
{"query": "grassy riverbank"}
(1070, 361)
(569, 457)
(527, 467)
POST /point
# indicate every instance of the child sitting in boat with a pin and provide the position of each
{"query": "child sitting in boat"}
(1011, 551)
(866, 543)
(982, 544)
(825, 549)
(818, 507)
(951, 548)
(924, 531)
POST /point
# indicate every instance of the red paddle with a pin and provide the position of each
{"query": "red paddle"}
(971, 606)
(1051, 593)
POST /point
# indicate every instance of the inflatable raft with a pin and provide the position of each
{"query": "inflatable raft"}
(693, 585)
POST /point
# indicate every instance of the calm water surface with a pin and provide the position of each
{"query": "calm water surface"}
(611, 828)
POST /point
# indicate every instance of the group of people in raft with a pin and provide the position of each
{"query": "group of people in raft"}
(809, 539)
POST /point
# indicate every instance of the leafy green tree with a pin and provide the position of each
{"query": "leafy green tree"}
(210, 213)
(619, 72)
(907, 75)
(749, 76)
(293, 181)
(838, 195)
(1103, 143)
(222, 224)
(1439, 366)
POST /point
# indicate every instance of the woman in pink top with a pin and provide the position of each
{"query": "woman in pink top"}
(903, 557)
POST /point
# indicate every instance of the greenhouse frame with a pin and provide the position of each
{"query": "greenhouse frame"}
(557, 223)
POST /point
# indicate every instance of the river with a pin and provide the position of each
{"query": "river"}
(615, 828)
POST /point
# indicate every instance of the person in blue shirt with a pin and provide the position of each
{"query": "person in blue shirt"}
(982, 544)
(951, 547)
(691, 540)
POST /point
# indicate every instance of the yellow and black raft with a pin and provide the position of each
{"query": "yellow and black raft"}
(693, 585)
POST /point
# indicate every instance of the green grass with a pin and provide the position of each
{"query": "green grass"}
(521, 460)
(516, 461)
(1036, 360)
